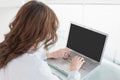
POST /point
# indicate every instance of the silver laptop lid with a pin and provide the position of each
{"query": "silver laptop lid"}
(88, 42)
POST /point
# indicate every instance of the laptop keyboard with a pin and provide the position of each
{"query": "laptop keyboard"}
(60, 64)
(85, 65)
(65, 67)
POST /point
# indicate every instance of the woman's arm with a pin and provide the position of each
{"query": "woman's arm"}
(61, 53)
(76, 64)
(73, 75)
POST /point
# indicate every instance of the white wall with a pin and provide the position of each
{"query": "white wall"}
(11, 3)
(104, 18)
(98, 2)
(6, 16)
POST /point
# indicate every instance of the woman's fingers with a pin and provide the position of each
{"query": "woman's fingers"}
(66, 53)
(77, 63)
(66, 50)
(82, 61)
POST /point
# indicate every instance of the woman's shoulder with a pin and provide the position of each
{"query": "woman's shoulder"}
(28, 61)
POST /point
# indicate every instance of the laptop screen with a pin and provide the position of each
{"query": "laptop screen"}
(86, 42)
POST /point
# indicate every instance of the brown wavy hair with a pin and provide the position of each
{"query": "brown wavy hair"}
(35, 22)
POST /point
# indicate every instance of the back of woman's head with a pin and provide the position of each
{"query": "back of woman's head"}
(35, 22)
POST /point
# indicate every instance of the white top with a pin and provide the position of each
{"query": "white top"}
(31, 67)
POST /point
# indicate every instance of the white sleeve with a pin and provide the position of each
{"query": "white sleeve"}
(73, 75)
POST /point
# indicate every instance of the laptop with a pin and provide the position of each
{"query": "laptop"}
(85, 42)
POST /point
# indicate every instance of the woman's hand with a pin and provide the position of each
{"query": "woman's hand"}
(76, 63)
(61, 53)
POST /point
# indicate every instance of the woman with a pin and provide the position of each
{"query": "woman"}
(35, 24)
